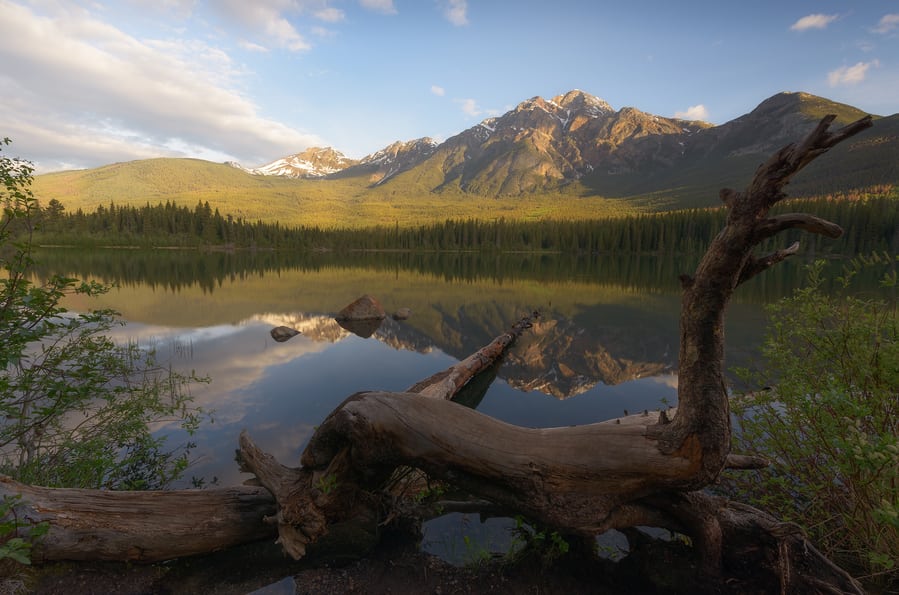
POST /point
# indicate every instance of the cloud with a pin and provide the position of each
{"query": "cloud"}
(179, 8)
(456, 11)
(263, 18)
(813, 21)
(850, 75)
(76, 86)
(252, 47)
(330, 15)
(887, 23)
(694, 112)
(438, 90)
(384, 6)
(470, 107)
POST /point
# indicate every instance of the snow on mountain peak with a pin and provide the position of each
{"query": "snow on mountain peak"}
(315, 162)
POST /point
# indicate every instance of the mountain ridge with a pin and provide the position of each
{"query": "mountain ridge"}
(572, 148)
(545, 143)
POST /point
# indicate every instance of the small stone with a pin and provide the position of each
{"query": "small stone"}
(402, 314)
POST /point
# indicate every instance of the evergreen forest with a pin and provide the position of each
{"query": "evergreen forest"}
(870, 220)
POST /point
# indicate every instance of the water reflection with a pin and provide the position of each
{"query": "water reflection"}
(603, 344)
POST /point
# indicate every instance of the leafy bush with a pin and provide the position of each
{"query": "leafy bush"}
(16, 536)
(76, 408)
(829, 421)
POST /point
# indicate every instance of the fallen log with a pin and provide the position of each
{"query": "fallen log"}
(150, 526)
(139, 526)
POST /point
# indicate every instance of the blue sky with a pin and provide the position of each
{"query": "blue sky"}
(85, 83)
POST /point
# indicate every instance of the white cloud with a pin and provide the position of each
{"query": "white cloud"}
(456, 12)
(76, 86)
(179, 8)
(385, 6)
(813, 21)
(252, 47)
(264, 18)
(330, 15)
(694, 112)
(887, 23)
(470, 107)
(850, 75)
(438, 90)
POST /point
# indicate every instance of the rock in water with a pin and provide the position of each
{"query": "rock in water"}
(364, 308)
(402, 314)
(283, 333)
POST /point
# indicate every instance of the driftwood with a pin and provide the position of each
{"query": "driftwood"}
(161, 525)
(583, 480)
(140, 526)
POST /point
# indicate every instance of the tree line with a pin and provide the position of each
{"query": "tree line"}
(871, 221)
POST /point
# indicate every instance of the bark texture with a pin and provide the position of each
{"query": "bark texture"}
(140, 526)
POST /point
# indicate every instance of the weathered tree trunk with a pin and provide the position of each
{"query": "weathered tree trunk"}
(149, 526)
(140, 526)
(637, 470)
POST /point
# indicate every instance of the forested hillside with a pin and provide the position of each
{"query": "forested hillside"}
(870, 220)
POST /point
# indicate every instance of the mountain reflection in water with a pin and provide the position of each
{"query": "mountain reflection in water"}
(606, 341)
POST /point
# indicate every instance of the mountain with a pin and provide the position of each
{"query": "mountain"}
(543, 145)
(391, 160)
(572, 156)
(316, 162)
(728, 155)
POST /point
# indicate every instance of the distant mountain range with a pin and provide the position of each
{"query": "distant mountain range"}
(543, 144)
(574, 145)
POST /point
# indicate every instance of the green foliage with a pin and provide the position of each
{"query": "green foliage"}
(476, 553)
(326, 484)
(429, 493)
(17, 536)
(75, 407)
(537, 544)
(830, 421)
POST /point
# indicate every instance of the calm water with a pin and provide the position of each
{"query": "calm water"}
(606, 342)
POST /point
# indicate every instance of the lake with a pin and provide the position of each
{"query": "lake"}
(606, 341)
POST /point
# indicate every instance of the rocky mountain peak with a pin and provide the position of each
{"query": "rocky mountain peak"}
(399, 148)
(393, 159)
(579, 100)
(315, 162)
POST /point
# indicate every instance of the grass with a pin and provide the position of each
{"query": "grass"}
(338, 203)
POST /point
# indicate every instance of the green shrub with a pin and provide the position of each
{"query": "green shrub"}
(75, 407)
(829, 421)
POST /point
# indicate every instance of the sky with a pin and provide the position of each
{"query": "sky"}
(85, 83)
